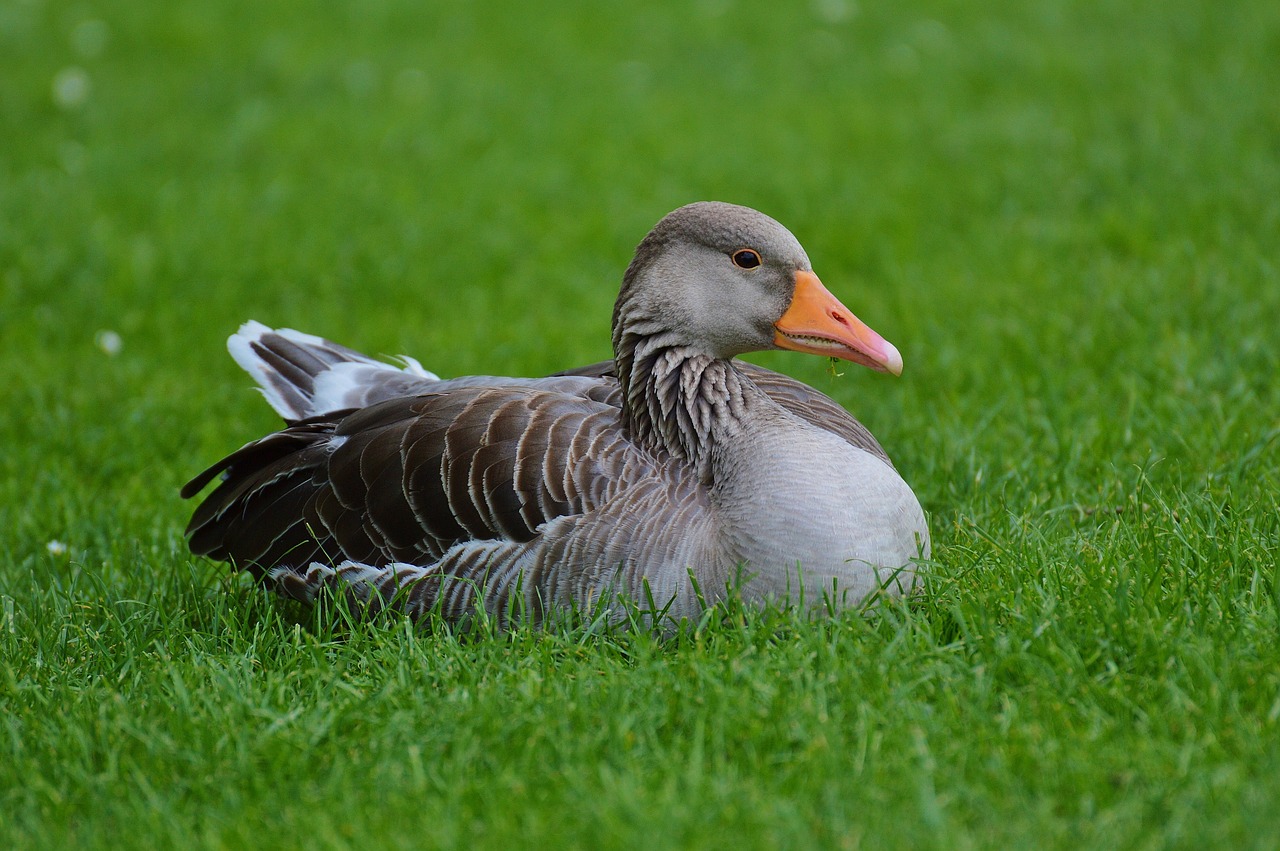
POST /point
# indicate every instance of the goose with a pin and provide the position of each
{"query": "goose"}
(674, 473)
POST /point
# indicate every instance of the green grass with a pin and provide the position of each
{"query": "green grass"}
(1066, 215)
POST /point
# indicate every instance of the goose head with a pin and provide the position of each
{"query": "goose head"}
(723, 280)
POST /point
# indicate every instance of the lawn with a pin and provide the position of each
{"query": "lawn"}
(1065, 215)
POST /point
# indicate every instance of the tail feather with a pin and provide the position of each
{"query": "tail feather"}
(303, 376)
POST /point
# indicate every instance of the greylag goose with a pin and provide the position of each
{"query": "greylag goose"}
(667, 475)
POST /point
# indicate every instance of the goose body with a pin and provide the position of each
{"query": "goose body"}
(669, 474)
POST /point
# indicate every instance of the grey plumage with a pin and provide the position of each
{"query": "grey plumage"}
(666, 469)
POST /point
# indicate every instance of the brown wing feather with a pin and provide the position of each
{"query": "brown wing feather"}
(406, 479)
(259, 515)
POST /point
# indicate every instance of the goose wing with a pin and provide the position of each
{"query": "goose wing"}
(407, 479)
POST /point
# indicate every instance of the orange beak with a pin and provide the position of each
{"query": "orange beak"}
(816, 322)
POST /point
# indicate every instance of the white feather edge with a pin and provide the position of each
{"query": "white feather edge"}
(358, 576)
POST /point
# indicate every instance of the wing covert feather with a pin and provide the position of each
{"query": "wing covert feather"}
(478, 463)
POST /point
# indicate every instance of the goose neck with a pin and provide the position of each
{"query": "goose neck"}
(679, 400)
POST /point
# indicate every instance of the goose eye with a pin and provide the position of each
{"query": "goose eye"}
(746, 258)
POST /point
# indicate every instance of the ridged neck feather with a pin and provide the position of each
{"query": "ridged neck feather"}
(676, 398)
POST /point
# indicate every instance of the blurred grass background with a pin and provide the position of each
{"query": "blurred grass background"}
(1066, 216)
